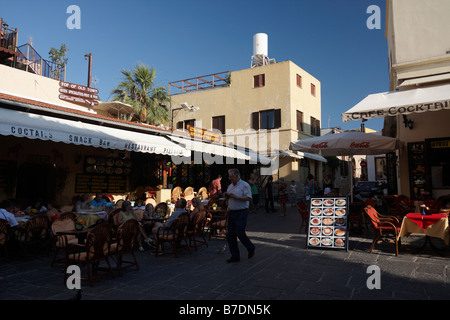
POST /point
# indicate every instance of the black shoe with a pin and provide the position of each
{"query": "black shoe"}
(233, 260)
(251, 253)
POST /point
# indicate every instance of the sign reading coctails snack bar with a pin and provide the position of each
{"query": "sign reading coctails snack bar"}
(328, 223)
(79, 94)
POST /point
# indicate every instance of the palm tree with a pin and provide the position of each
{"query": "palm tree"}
(138, 89)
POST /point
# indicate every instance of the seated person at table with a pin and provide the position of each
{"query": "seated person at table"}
(149, 213)
(198, 207)
(98, 201)
(6, 207)
(215, 188)
(180, 207)
(83, 204)
(39, 206)
(126, 214)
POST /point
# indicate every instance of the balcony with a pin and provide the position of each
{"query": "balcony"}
(198, 83)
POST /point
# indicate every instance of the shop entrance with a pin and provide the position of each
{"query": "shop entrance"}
(36, 181)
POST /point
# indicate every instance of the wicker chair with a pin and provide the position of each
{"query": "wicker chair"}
(383, 227)
(188, 193)
(94, 251)
(174, 235)
(218, 224)
(196, 232)
(203, 193)
(62, 242)
(176, 193)
(124, 244)
(35, 233)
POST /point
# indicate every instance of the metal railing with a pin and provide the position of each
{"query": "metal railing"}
(8, 37)
(31, 61)
(199, 83)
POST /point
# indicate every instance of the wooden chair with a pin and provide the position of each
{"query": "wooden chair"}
(383, 227)
(203, 193)
(124, 244)
(62, 242)
(218, 224)
(94, 251)
(304, 214)
(4, 236)
(173, 235)
(34, 232)
(176, 193)
(188, 193)
(196, 232)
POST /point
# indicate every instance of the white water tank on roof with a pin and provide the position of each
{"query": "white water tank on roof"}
(260, 44)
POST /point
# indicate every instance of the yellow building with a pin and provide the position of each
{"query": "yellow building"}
(262, 108)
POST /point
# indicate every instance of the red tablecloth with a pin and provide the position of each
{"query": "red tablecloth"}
(424, 221)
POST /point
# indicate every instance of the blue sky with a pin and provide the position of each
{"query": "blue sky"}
(183, 39)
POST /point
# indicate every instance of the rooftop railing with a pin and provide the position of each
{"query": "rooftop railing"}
(199, 83)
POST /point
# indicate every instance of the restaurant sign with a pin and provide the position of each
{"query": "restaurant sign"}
(400, 110)
(204, 134)
(79, 94)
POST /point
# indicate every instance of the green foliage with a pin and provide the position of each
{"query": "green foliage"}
(58, 56)
(138, 89)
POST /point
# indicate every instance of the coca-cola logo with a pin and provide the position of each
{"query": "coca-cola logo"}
(320, 145)
(361, 145)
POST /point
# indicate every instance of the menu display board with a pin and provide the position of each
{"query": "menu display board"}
(92, 183)
(328, 223)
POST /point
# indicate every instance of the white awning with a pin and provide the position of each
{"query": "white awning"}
(400, 102)
(220, 149)
(34, 126)
(302, 155)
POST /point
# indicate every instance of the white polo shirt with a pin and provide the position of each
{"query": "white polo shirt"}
(240, 189)
(8, 216)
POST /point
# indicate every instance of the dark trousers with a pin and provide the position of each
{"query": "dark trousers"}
(270, 200)
(237, 221)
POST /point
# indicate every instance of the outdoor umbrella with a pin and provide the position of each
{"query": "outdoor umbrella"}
(347, 143)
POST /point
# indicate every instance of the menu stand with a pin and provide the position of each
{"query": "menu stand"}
(328, 223)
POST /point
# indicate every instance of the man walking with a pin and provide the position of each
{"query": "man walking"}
(239, 195)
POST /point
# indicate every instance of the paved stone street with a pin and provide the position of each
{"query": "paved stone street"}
(282, 269)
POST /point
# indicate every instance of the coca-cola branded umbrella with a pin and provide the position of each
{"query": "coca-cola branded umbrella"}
(347, 143)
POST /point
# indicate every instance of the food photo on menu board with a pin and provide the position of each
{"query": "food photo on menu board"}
(328, 226)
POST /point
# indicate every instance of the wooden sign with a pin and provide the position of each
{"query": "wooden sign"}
(79, 94)
(328, 223)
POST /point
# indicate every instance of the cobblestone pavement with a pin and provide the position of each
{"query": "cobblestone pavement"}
(282, 269)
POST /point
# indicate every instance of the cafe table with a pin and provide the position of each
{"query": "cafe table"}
(433, 225)
(91, 217)
(22, 219)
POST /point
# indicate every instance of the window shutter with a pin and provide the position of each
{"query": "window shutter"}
(277, 118)
(255, 120)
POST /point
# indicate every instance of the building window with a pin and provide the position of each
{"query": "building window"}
(267, 119)
(313, 89)
(259, 81)
(315, 127)
(219, 123)
(299, 120)
(185, 123)
(299, 81)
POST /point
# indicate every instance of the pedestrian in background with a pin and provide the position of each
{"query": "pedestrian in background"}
(293, 193)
